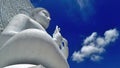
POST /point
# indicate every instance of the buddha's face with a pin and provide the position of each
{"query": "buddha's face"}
(43, 18)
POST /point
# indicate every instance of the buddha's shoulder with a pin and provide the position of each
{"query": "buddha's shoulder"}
(21, 16)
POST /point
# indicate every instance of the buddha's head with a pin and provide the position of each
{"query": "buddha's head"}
(42, 16)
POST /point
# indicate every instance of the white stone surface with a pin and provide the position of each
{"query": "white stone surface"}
(21, 66)
(25, 66)
(26, 41)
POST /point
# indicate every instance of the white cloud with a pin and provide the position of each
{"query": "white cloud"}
(85, 3)
(87, 8)
(111, 35)
(91, 38)
(96, 58)
(94, 46)
(78, 57)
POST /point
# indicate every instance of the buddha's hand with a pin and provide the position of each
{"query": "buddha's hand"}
(61, 41)
(57, 36)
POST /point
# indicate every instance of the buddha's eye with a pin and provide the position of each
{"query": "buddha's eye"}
(45, 13)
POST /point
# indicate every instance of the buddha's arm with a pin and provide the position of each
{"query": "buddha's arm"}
(15, 25)
(19, 23)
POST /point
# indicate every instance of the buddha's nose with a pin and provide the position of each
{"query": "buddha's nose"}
(49, 18)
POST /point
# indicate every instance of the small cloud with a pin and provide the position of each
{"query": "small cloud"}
(91, 38)
(87, 8)
(78, 57)
(96, 58)
(94, 46)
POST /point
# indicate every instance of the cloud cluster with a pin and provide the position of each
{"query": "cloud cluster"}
(94, 46)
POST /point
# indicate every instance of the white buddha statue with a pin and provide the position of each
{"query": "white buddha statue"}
(25, 42)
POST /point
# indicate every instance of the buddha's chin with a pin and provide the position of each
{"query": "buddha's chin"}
(45, 24)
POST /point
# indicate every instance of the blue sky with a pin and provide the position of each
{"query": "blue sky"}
(78, 20)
